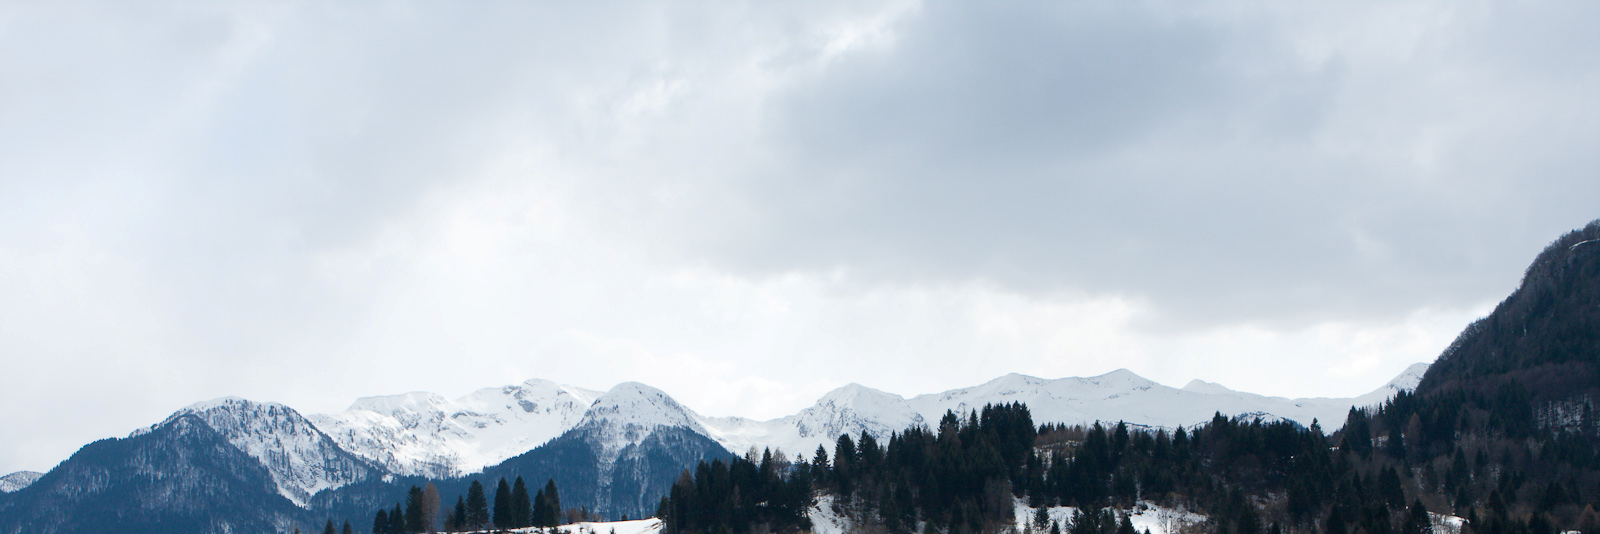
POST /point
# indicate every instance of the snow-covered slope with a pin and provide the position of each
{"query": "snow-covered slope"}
(1119, 395)
(623, 455)
(851, 409)
(628, 414)
(18, 480)
(429, 435)
(301, 459)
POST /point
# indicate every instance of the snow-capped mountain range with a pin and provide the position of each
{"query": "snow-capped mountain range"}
(424, 434)
(1119, 395)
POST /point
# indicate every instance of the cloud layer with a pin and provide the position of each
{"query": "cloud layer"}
(747, 204)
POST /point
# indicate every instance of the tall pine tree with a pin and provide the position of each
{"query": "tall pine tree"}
(502, 505)
(521, 507)
(547, 508)
(414, 512)
(397, 520)
(477, 507)
(458, 516)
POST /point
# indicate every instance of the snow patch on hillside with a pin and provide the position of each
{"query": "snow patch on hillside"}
(852, 409)
(639, 526)
(1145, 517)
(825, 521)
(16, 481)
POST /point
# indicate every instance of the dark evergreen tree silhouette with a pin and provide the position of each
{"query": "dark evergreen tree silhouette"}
(477, 506)
(521, 505)
(502, 505)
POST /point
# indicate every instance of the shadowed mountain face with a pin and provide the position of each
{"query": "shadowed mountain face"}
(1545, 337)
(181, 476)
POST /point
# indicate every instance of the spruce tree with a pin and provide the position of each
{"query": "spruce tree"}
(540, 514)
(380, 522)
(414, 511)
(1418, 522)
(397, 520)
(521, 507)
(328, 528)
(347, 529)
(502, 505)
(554, 498)
(458, 517)
(477, 507)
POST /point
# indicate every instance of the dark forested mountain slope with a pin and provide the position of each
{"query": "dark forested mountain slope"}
(1545, 336)
(181, 476)
(628, 485)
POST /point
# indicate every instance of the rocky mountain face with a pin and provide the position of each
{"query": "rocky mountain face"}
(423, 434)
(301, 460)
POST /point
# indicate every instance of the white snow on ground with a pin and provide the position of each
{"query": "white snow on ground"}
(639, 526)
(825, 521)
(1144, 516)
(1446, 524)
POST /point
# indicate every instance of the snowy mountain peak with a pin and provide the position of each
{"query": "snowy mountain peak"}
(631, 404)
(425, 434)
(1201, 386)
(1121, 378)
(301, 459)
(1409, 378)
(18, 480)
(413, 402)
(854, 394)
(852, 409)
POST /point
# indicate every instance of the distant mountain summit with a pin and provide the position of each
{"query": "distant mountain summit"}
(623, 454)
(18, 480)
(1119, 395)
(301, 460)
(423, 434)
(181, 475)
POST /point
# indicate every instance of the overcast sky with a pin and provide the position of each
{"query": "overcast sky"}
(750, 204)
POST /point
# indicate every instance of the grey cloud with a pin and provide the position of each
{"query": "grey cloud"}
(1198, 162)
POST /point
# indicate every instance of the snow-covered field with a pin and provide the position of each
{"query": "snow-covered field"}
(1145, 517)
(639, 526)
